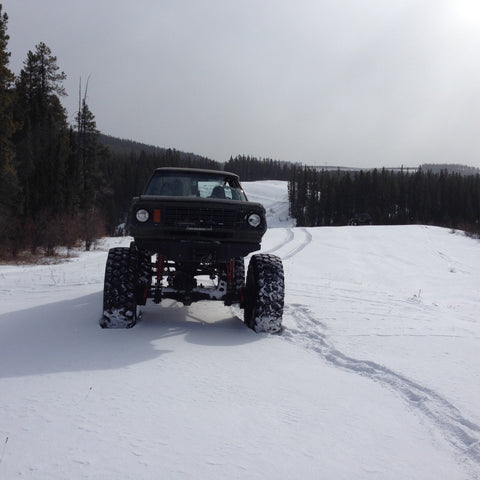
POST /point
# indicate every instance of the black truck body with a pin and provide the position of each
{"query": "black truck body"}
(189, 225)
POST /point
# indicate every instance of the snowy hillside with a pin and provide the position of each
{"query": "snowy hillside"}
(376, 375)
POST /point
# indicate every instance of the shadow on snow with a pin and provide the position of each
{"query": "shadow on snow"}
(66, 336)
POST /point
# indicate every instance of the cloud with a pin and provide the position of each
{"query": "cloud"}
(343, 82)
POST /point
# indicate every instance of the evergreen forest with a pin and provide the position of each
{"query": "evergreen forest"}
(389, 197)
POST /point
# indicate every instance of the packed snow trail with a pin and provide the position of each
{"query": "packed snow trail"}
(309, 331)
(294, 241)
(287, 238)
(462, 433)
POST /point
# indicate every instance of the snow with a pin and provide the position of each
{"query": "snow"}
(376, 374)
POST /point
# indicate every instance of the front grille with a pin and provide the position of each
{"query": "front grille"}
(201, 217)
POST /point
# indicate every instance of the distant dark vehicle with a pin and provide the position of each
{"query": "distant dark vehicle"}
(192, 229)
(361, 219)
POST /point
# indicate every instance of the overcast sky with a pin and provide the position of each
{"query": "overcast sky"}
(366, 83)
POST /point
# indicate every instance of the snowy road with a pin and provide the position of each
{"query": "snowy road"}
(376, 374)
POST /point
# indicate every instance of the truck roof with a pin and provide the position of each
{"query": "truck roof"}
(195, 170)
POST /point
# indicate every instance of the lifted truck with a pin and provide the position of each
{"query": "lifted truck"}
(192, 229)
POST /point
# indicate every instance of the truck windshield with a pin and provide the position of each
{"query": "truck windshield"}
(186, 184)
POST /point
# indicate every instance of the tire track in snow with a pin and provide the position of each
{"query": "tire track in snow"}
(286, 241)
(292, 237)
(463, 434)
(306, 241)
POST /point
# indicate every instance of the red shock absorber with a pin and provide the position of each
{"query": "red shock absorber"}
(230, 271)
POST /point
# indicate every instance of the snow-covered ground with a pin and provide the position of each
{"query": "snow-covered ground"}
(376, 375)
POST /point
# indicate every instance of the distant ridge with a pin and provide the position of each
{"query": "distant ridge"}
(358, 169)
(426, 167)
(451, 168)
(123, 146)
(120, 146)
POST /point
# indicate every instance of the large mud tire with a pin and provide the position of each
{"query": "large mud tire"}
(239, 276)
(264, 294)
(238, 281)
(144, 277)
(120, 286)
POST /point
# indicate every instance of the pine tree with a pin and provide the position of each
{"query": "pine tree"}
(8, 178)
(42, 142)
(9, 184)
(89, 151)
(42, 147)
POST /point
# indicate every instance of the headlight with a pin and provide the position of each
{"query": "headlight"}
(142, 215)
(254, 220)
